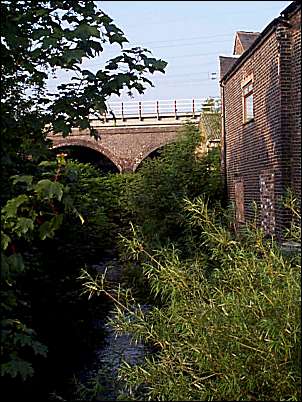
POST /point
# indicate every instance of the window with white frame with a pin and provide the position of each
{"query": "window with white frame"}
(248, 102)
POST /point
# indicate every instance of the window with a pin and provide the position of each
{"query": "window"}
(248, 102)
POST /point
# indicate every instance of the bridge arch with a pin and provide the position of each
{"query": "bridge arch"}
(148, 152)
(72, 141)
(136, 131)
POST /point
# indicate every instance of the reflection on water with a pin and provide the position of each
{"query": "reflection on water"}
(103, 370)
(99, 377)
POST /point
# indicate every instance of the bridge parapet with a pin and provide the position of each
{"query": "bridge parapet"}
(158, 112)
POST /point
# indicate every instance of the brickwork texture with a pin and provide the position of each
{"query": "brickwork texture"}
(265, 153)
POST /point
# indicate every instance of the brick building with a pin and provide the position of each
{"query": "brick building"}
(261, 119)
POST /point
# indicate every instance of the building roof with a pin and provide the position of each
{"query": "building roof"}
(226, 63)
(243, 40)
(283, 18)
(291, 9)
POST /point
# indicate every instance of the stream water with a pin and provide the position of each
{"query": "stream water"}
(99, 374)
(85, 353)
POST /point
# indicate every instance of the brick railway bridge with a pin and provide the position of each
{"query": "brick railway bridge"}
(133, 130)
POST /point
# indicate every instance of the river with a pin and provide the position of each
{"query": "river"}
(97, 380)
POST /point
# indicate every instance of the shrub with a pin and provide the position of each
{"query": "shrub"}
(156, 196)
(231, 333)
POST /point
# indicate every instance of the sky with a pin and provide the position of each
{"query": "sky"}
(189, 35)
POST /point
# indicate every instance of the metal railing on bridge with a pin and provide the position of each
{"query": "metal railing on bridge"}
(174, 108)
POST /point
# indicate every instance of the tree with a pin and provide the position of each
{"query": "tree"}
(39, 38)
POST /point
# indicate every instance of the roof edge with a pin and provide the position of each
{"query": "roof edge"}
(263, 35)
(237, 37)
(291, 9)
(283, 18)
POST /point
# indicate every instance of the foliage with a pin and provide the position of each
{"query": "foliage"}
(16, 336)
(232, 333)
(100, 201)
(41, 38)
(291, 201)
(92, 210)
(36, 213)
(157, 195)
(87, 392)
(38, 40)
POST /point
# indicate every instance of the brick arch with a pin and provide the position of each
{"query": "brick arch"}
(88, 144)
(149, 151)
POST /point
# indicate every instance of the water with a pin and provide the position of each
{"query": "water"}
(99, 376)
(102, 372)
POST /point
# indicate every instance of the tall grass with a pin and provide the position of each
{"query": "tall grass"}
(228, 323)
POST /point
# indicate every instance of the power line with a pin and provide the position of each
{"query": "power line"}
(190, 44)
(192, 55)
(197, 18)
(180, 75)
(181, 84)
(173, 45)
(167, 57)
(167, 78)
(197, 65)
(109, 52)
(184, 39)
(182, 81)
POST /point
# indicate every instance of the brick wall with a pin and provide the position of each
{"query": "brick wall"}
(284, 39)
(295, 33)
(265, 154)
(126, 147)
(254, 147)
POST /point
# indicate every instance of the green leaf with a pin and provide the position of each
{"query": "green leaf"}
(84, 124)
(100, 106)
(5, 240)
(84, 31)
(73, 54)
(89, 75)
(47, 163)
(15, 263)
(117, 38)
(22, 179)
(94, 31)
(105, 19)
(10, 209)
(23, 225)
(47, 229)
(17, 366)
(155, 65)
(47, 189)
(39, 348)
(96, 46)
(60, 125)
(39, 33)
(49, 41)
(25, 338)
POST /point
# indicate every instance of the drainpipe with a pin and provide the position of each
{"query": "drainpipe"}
(225, 183)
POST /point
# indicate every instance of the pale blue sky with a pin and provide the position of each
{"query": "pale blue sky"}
(189, 35)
